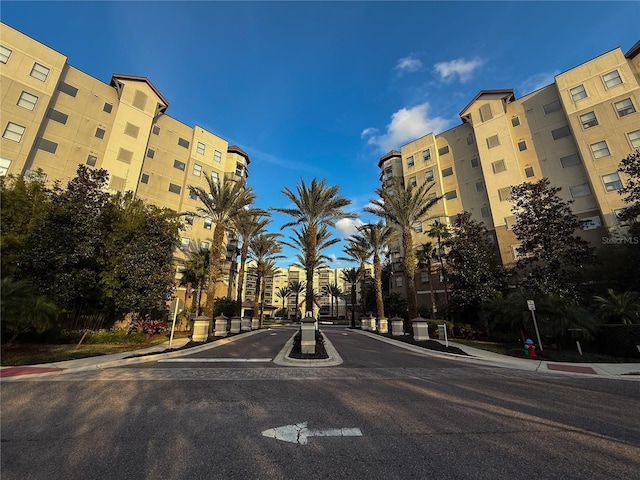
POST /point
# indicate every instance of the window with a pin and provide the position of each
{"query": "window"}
(412, 181)
(57, 116)
(499, 166)
(474, 162)
(515, 121)
(184, 243)
(634, 138)
(451, 194)
(107, 108)
(179, 165)
(529, 172)
(522, 145)
(183, 143)
(612, 182)
(444, 150)
(484, 211)
(600, 149)
(200, 148)
(432, 196)
(197, 169)
(155, 130)
(426, 155)
(588, 120)
(151, 153)
(207, 223)
(504, 194)
(480, 186)
(215, 177)
(192, 195)
(578, 93)
(410, 162)
(204, 245)
(27, 101)
(39, 72)
(624, 107)
(217, 156)
(13, 132)
(46, 145)
(388, 174)
(569, 160)
(485, 112)
(4, 164)
(91, 160)
(428, 177)
(188, 219)
(173, 188)
(100, 132)
(5, 53)
(590, 223)
(580, 190)
(510, 222)
(611, 79)
(131, 130)
(68, 89)
(561, 132)
(447, 172)
(417, 227)
(124, 155)
(424, 277)
(552, 107)
(144, 178)
(493, 141)
(140, 100)
(469, 139)
(398, 281)
(514, 252)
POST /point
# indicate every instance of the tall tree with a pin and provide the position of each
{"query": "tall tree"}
(297, 288)
(196, 268)
(358, 251)
(403, 208)
(618, 308)
(551, 256)
(473, 264)
(283, 293)
(315, 206)
(350, 275)
(425, 254)
(222, 203)
(440, 231)
(269, 270)
(263, 248)
(630, 166)
(247, 225)
(336, 293)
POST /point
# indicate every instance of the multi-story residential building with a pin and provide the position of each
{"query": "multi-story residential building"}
(574, 132)
(56, 117)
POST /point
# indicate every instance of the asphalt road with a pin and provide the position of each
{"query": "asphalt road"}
(420, 417)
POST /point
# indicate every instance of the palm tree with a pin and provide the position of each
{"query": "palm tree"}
(358, 251)
(314, 206)
(297, 288)
(618, 308)
(336, 293)
(376, 237)
(263, 248)
(283, 293)
(269, 270)
(440, 231)
(195, 273)
(350, 275)
(247, 225)
(222, 204)
(403, 208)
(424, 254)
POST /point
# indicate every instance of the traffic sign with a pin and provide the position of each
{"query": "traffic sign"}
(531, 304)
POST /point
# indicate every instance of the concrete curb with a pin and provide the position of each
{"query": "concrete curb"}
(283, 358)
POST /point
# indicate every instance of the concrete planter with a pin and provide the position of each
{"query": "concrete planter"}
(255, 323)
(364, 323)
(221, 326)
(397, 328)
(200, 329)
(420, 329)
(383, 325)
(372, 323)
(245, 325)
(235, 325)
(308, 332)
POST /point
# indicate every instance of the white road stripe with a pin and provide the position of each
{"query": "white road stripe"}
(213, 360)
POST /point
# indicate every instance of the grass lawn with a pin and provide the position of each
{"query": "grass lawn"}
(32, 354)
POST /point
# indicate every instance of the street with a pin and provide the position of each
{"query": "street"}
(418, 416)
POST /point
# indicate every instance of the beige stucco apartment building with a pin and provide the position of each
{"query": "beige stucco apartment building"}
(574, 132)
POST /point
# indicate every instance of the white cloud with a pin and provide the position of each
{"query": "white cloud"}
(368, 131)
(459, 67)
(406, 124)
(348, 226)
(537, 81)
(408, 64)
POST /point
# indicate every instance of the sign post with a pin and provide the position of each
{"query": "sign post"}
(532, 306)
(176, 307)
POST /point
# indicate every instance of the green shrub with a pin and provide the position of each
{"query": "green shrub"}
(618, 340)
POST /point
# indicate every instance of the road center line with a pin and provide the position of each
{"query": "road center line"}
(214, 360)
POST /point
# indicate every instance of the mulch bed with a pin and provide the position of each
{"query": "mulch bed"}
(321, 352)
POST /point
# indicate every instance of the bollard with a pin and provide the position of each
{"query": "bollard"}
(383, 325)
(396, 327)
(200, 329)
(420, 329)
(308, 334)
(235, 325)
(221, 326)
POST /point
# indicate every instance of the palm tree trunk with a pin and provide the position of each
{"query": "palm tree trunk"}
(244, 252)
(214, 269)
(312, 231)
(377, 274)
(410, 270)
(434, 308)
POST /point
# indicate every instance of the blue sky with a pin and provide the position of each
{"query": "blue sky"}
(324, 89)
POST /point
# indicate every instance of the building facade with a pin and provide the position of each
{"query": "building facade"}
(574, 132)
